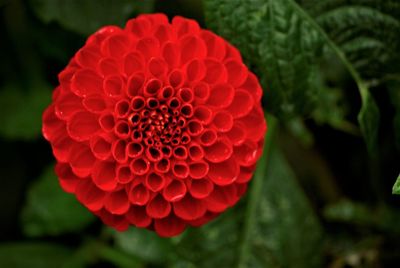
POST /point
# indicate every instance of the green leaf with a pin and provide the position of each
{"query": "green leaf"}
(21, 111)
(143, 244)
(287, 232)
(31, 254)
(213, 244)
(86, 16)
(282, 45)
(50, 211)
(396, 186)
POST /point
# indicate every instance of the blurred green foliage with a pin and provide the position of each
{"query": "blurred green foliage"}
(318, 199)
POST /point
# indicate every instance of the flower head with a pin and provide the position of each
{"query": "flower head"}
(157, 125)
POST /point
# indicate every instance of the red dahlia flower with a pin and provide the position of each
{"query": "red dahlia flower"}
(157, 125)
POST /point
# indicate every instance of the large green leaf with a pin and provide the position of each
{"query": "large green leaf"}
(21, 111)
(50, 211)
(282, 45)
(286, 233)
(86, 16)
(283, 42)
(36, 255)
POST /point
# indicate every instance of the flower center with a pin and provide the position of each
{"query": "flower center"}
(159, 122)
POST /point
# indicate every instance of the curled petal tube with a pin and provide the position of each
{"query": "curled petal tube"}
(176, 78)
(162, 166)
(166, 93)
(195, 151)
(157, 125)
(135, 85)
(122, 108)
(180, 169)
(137, 103)
(185, 95)
(152, 87)
(113, 86)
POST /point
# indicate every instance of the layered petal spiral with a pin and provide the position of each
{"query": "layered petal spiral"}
(157, 125)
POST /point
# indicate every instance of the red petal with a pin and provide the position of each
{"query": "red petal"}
(255, 124)
(88, 57)
(224, 173)
(198, 170)
(202, 113)
(62, 147)
(252, 86)
(192, 47)
(82, 126)
(203, 220)
(124, 174)
(148, 47)
(221, 198)
(216, 72)
(113, 86)
(169, 226)
(109, 66)
(67, 179)
(118, 150)
(88, 194)
(158, 207)
(154, 182)
(221, 95)
(116, 45)
(135, 84)
(223, 121)
(104, 175)
(237, 72)
(245, 175)
(117, 203)
(200, 188)
(174, 191)
(247, 153)
(184, 26)
(196, 152)
(139, 166)
(67, 104)
(157, 67)
(117, 221)
(139, 195)
(52, 126)
(137, 216)
(219, 151)
(237, 135)
(94, 103)
(242, 104)
(86, 82)
(81, 160)
(215, 45)
(201, 92)
(170, 53)
(180, 169)
(189, 208)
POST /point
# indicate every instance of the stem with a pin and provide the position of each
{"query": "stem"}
(255, 193)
